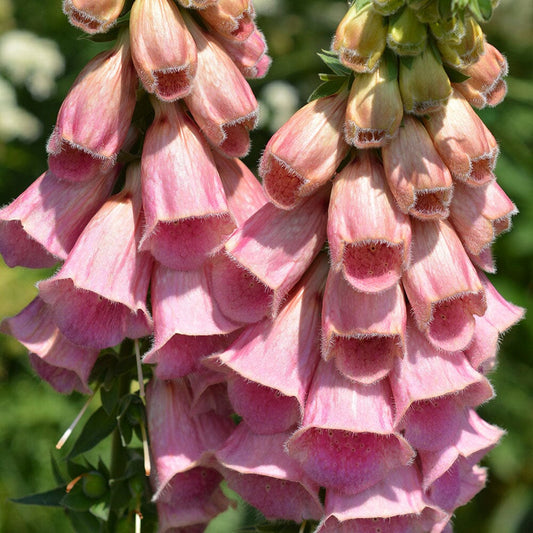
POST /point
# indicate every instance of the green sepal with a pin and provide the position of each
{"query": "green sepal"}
(106, 360)
(49, 498)
(76, 469)
(327, 88)
(407, 61)
(97, 428)
(481, 9)
(85, 522)
(455, 76)
(131, 413)
(101, 510)
(332, 61)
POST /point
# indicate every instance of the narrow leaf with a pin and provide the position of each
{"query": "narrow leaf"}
(327, 89)
(334, 64)
(97, 428)
(49, 498)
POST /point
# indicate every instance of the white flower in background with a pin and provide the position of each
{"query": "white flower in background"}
(15, 122)
(31, 60)
(279, 101)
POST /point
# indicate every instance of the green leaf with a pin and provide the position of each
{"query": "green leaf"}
(49, 498)
(333, 63)
(110, 397)
(97, 428)
(454, 75)
(327, 89)
(84, 522)
(481, 9)
(75, 469)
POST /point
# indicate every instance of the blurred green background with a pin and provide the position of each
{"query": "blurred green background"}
(34, 77)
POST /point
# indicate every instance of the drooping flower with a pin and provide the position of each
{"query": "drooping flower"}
(90, 306)
(94, 119)
(187, 217)
(93, 16)
(162, 49)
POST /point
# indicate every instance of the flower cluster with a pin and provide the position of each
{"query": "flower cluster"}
(341, 309)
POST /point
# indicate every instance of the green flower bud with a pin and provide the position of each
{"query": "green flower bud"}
(468, 50)
(387, 7)
(94, 485)
(360, 38)
(428, 13)
(451, 30)
(407, 35)
(424, 84)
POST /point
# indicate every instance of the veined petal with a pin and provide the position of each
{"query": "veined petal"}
(90, 307)
(348, 449)
(42, 225)
(259, 469)
(58, 361)
(267, 256)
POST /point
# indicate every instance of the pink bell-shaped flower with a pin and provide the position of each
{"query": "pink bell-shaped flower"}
(58, 361)
(187, 217)
(98, 297)
(94, 119)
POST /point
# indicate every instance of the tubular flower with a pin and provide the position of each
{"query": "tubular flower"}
(305, 152)
(330, 328)
(90, 307)
(162, 49)
(93, 122)
(93, 16)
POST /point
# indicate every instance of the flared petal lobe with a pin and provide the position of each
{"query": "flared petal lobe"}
(93, 16)
(58, 361)
(42, 225)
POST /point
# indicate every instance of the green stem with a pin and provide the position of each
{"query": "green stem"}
(118, 452)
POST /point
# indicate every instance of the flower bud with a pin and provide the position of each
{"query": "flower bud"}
(93, 16)
(233, 19)
(485, 85)
(387, 7)
(197, 4)
(375, 109)
(406, 35)
(468, 51)
(428, 13)
(450, 30)
(424, 84)
(162, 49)
(360, 38)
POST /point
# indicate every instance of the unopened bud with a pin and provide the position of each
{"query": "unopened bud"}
(428, 13)
(407, 35)
(375, 109)
(468, 51)
(450, 30)
(387, 7)
(361, 38)
(424, 84)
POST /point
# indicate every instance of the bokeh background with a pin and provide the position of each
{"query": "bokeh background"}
(40, 55)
